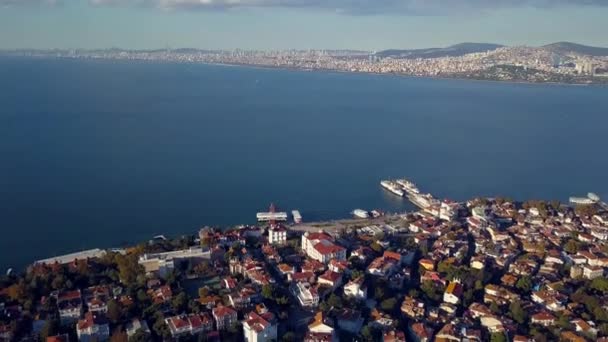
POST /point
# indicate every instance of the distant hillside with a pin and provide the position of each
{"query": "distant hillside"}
(450, 51)
(567, 47)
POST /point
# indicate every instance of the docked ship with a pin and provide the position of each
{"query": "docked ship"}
(408, 186)
(360, 213)
(422, 200)
(393, 187)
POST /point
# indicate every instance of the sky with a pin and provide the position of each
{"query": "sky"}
(299, 24)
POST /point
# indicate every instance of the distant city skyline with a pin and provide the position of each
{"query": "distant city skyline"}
(299, 24)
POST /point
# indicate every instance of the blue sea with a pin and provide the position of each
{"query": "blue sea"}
(106, 153)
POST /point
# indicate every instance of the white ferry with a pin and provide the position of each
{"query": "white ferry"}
(360, 213)
(423, 200)
(392, 187)
(408, 186)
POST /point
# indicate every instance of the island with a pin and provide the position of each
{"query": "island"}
(488, 269)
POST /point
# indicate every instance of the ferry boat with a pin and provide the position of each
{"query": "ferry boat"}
(392, 187)
(423, 200)
(408, 186)
(360, 213)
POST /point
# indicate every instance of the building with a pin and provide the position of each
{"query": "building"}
(412, 308)
(259, 327)
(453, 293)
(96, 298)
(277, 235)
(592, 272)
(307, 294)
(320, 329)
(356, 289)
(164, 263)
(94, 327)
(192, 324)
(70, 306)
(136, 325)
(321, 246)
(224, 317)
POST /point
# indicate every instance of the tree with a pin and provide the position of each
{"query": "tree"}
(388, 305)
(376, 247)
(114, 311)
(498, 337)
(494, 308)
(518, 314)
(267, 291)
(571, 246)
(289, 337)
(600, 284)
(128, 268)
(140, 336)
(431, 291)
(379, 293)
(180, 302)
(334, 301)
(524, 283)
(50, 328)
(366, 332)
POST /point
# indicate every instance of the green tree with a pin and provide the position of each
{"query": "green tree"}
(524, 283)
(389, 304)
(289, 337)
(376, 247)
(518, 314)
(494, 308)
(180, 302)
(498, 337)
(114, 311)
(571, 246)
(267, 291)
(431, 291)
(334, 301)
(599, 284)
(366, 333)
(140, 336)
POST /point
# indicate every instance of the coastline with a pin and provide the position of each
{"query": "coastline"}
(321, 70)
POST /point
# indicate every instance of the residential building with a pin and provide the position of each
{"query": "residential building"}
(277, 235)
(94, 327)
(321, 246)
(259, 327)
(224, 317)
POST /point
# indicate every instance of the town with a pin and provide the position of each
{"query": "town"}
(488, 269)
(517, 63)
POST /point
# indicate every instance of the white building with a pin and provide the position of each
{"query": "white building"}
(257, 328)
(592, 272)
(164, 263)
(277, 235)
(356, 289)
(320, 246)
(307, 294)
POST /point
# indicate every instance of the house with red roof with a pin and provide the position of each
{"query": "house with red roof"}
(224, 317)
(192, 324)
(94, 327)
(259, 327)
(322, 247)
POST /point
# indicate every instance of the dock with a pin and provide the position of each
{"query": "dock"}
(297, 217)
(271, 216)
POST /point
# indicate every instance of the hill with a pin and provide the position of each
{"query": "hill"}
(450, 51)
(567, 48)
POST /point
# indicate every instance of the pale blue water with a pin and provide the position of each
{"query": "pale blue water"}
(99, 153)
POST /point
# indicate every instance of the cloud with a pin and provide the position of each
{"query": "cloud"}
(361, 7)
